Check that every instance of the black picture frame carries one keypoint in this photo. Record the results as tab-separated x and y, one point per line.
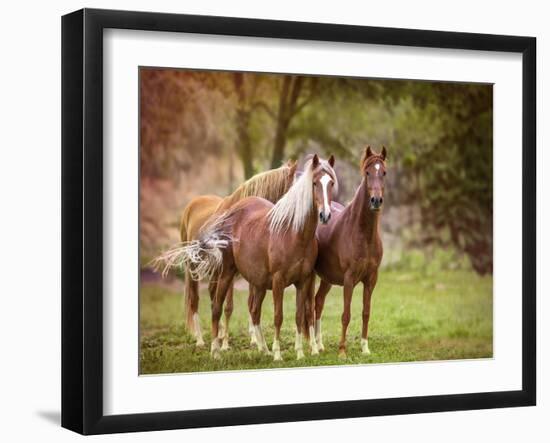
82	220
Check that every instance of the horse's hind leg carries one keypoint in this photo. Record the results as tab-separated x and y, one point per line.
192	308
258	295
223	330
228	310
278	293
309	313
300	319
251	330
322	292
224	281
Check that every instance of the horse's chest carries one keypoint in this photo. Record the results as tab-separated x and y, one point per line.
361	265
300	269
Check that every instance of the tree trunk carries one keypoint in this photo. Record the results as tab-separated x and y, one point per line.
288	100
242	122
245	146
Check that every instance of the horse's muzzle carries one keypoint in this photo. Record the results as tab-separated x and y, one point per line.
324	218
376	203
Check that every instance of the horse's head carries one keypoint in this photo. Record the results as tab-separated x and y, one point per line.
324	182
373	168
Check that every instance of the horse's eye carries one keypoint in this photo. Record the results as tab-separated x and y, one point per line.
384	173
368	173
314	184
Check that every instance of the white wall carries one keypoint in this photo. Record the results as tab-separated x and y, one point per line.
30	218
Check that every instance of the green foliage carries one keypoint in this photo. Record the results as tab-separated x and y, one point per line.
430	261
440	150
415	317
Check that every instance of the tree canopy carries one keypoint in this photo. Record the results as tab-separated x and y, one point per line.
438	135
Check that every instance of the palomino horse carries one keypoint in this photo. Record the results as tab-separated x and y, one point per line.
350	248
272	247
271	185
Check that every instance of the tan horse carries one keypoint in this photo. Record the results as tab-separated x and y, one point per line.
272	247
271	185
350	248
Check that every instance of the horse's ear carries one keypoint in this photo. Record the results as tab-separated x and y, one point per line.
384	153
366	154
331	161
314	161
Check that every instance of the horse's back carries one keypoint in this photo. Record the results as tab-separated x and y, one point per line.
195	215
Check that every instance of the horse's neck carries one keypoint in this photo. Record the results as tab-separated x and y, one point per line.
311	225
361	215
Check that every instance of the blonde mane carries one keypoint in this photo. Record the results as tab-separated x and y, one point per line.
271	185
294	207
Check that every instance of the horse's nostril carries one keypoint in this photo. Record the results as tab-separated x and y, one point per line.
372	199
381	200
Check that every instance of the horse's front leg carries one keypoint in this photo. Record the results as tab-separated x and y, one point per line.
346	315
224	281
322	292
368	287
278	290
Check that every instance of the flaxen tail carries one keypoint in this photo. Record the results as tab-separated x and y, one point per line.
201	258
204	256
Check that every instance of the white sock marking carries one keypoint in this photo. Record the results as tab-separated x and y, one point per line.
197	327
298	343
365	346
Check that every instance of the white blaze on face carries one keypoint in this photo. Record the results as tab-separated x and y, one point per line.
325	180
377	167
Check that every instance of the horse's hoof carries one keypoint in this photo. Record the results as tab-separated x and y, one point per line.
225	346
342	354
321	347
215	349
299	354
365	347
253	341
277	356
200	344
315	350
365	351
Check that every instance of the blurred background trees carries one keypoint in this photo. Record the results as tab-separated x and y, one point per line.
206	132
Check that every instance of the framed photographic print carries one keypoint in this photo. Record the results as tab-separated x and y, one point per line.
269	221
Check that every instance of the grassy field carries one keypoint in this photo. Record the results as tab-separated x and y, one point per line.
414	317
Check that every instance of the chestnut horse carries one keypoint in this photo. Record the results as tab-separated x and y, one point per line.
350	248
271	185
272	247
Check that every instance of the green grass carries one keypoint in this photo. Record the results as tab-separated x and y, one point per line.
414	317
